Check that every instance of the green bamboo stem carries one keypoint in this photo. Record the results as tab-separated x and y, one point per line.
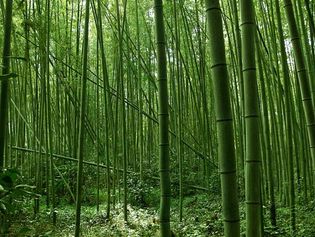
303	79
252	133
5	82
165	230
225	133
81	135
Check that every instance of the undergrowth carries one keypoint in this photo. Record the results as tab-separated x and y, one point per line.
202	217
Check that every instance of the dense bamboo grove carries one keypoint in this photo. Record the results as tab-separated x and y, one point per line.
189	96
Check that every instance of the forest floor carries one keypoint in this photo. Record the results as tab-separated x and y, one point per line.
202	217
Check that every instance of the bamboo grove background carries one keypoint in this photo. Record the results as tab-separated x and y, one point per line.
82	98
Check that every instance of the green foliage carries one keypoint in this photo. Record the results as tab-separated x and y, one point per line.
305	223
69	173
141	193
12	197
214	184
202	216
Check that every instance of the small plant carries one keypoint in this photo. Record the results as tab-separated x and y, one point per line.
12	195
